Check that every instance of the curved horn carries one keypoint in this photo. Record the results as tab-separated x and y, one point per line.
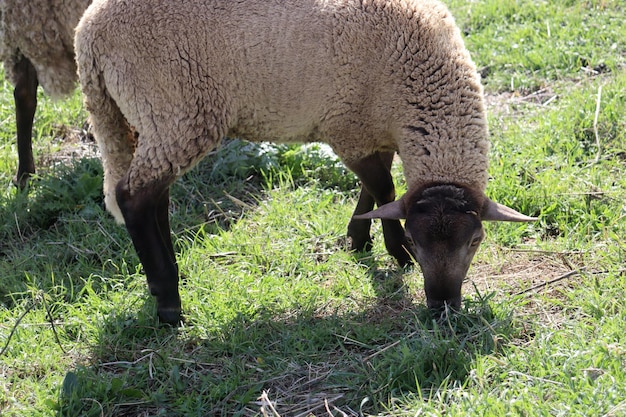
497	212
390	211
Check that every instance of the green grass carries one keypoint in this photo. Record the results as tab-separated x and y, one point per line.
277	309
523	45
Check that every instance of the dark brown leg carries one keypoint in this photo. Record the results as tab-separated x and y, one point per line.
374	172
25	96
359	229
147	221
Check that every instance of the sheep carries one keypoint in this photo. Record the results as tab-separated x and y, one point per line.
37	46
370	78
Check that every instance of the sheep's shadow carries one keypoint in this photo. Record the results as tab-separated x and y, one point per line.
30	218
67	199
387	346
304	361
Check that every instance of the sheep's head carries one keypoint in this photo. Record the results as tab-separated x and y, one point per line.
444	227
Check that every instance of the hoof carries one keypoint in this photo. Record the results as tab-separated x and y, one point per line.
172	315
403	256
405	261
21	182
360	245
399	246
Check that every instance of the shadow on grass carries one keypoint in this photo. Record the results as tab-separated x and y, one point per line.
306	362
37	228
58	227
356	361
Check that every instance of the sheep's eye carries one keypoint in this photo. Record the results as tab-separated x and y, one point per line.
476	241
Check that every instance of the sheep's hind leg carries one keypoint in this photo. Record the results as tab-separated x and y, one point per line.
147	221
25	96
374	172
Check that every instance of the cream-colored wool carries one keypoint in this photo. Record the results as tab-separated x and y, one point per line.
43	32
360	75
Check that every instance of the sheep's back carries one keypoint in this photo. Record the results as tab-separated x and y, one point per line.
265	67
360	75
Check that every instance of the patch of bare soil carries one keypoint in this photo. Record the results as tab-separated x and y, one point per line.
507	102
75	143
311	399
532	274
521	271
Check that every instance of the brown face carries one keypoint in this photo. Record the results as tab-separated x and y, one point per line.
445	230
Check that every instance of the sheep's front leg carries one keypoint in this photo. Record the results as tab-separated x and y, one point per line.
147	221
25	96
374	172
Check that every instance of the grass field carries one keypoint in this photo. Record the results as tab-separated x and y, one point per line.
281	320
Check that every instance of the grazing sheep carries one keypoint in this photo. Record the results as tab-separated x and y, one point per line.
367	77
37	47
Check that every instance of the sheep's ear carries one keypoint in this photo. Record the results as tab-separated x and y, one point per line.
390	211
497	212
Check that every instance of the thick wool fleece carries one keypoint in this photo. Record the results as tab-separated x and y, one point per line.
43	32
361	75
